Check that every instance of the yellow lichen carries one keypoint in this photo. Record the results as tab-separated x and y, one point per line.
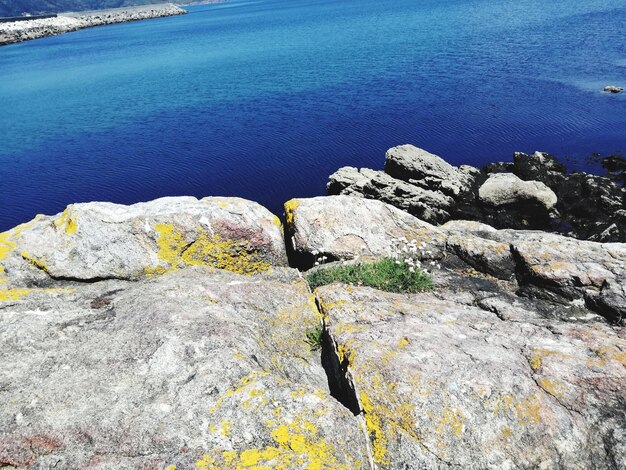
171	467
535	362
18	293
528	410
451	418
205	250
13	294
290	206
67	222
226	427
39	263
553	387
373	423
296	445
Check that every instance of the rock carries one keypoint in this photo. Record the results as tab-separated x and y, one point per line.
423	169
613	89
487	256
442	385
506	188
579	204
98	240
592	204
198	368
572	269
346	227
539	166
430	206
498	167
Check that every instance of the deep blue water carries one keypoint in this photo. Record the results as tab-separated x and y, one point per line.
264	99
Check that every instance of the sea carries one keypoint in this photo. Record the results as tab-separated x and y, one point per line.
264	99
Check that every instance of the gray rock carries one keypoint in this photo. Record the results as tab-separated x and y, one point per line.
613	89
198	368
506	188
102	240
442	385
430	206
539	166
346	227
421	168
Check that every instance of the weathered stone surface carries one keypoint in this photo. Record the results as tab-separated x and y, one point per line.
431	206
506	188
345	227
424	169
485	255
103	240
443	385
198	368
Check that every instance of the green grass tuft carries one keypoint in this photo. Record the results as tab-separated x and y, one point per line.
384	275
314	338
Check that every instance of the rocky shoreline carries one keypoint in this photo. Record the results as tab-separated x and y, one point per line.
532	192
172	334
18	31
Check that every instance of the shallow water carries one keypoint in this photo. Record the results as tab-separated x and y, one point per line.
264	99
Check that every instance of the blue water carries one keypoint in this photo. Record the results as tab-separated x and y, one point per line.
264	99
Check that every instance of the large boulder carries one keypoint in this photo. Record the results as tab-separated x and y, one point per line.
431	206
502	189
103	241
445	385
198	368
547	266
346	227
424	169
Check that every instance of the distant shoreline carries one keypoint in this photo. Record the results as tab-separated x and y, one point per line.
26	30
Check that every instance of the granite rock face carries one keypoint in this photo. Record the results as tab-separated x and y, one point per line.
442	385
124	347
345	227
98	240
199	368
539	265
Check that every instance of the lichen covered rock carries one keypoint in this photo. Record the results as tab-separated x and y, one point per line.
443	385
102	240
345	227
198	368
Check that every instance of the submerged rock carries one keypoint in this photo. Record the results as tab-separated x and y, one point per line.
613	89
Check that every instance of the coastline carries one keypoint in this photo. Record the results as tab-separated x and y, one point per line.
20	31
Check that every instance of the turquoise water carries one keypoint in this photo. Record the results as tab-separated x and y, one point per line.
264	99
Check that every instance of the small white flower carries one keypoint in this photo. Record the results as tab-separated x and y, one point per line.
315	252
411	269
398	261
317	263
432	263
438	266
